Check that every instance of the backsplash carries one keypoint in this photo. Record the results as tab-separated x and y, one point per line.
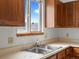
70	34
10	32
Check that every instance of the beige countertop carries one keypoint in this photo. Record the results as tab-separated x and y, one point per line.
22	55
73	44
64	46
30	55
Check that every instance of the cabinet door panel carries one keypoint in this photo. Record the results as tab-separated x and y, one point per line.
60	21
69	14
61	54
75	51
69	51
12	12
3	10
77	13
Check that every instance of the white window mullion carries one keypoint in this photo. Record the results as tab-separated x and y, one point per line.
40	10
29	16
43	15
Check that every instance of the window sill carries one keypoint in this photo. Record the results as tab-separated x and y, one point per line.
30	34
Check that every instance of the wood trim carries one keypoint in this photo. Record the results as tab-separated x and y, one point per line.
30	34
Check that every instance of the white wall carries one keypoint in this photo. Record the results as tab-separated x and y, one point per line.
73	34
6	32
49	33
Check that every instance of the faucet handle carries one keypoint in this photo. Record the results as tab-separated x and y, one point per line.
37	41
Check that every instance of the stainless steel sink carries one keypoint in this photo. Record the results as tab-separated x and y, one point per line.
44	49
40	50
53	47
50	47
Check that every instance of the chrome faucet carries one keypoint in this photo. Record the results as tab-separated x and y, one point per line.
37	43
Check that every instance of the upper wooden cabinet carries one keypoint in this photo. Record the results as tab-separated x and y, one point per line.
59	16
62	15
77	14
69	14
53	13
12	12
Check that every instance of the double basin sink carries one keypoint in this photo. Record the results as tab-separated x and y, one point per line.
44	49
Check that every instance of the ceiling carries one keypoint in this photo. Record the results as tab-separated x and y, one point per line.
64	1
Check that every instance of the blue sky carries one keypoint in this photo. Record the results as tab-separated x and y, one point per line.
34	11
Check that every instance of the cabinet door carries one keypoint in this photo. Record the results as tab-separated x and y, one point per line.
76	51
68	51
61	55
69	14
50	13
77	13
52	57
60	21
12	12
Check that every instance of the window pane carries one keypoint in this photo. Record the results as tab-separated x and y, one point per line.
26	14
35	16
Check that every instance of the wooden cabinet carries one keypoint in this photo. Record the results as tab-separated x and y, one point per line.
62	15
54	14
59	21
77	13
61	55
52	57
12	12
69	51
69	17
75	51
69	14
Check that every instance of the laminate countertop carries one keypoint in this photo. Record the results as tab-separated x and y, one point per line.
22	55
30	55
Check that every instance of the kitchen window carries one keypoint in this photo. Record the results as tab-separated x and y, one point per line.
34	18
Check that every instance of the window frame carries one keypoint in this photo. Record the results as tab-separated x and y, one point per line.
29	33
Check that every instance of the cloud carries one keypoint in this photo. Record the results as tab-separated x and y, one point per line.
36	11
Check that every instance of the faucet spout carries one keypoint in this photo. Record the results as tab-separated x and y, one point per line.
37	43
